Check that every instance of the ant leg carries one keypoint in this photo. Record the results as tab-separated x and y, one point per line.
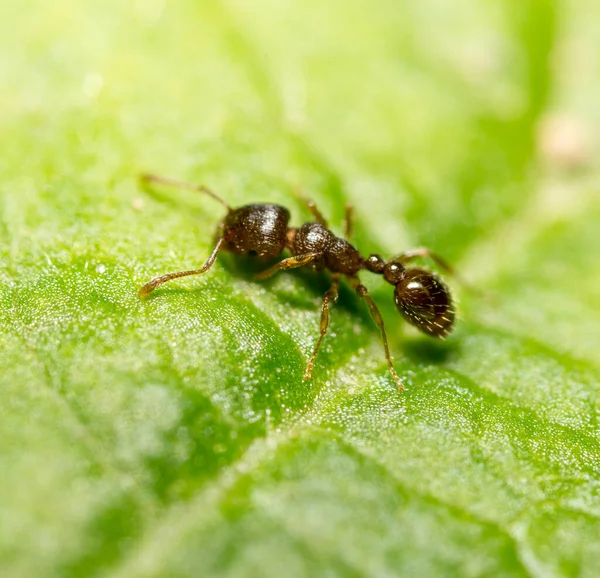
329	298
363	292
289	263
158	281
408	256
148	178
312	207
349	222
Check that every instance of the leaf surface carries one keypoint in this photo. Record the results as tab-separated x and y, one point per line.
174	436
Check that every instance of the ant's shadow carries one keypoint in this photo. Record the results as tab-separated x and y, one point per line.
418	348
422	349
315	284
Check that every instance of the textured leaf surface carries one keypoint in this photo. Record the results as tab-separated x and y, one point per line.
175	436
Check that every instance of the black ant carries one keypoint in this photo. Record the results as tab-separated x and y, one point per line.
262	230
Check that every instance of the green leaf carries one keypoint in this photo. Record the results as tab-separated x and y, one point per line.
174	436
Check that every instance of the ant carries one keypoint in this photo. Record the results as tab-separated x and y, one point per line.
262	230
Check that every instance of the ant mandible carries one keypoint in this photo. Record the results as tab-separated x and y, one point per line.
262	230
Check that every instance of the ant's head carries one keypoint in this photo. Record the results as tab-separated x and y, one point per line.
422	297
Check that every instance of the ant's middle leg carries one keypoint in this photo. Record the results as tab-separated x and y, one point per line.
329	298
289	263
158	281
363	292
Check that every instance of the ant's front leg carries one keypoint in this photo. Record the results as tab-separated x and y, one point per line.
289	263
349	223
158	281
312	207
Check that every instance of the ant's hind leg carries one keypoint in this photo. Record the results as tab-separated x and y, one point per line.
289	263
423	252
329	298
158	281
363	292
409	256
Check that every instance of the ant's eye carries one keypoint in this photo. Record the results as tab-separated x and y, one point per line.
425	302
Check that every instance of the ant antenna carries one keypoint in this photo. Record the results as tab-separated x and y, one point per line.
148	178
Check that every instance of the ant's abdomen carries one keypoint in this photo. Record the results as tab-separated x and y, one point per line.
425	302
256	230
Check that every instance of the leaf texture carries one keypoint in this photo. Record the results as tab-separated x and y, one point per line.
175	436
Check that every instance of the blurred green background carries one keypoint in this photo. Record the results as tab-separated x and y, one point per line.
175	436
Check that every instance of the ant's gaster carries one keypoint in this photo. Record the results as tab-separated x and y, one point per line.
263	230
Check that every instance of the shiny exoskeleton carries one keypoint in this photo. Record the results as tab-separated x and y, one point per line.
263	230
